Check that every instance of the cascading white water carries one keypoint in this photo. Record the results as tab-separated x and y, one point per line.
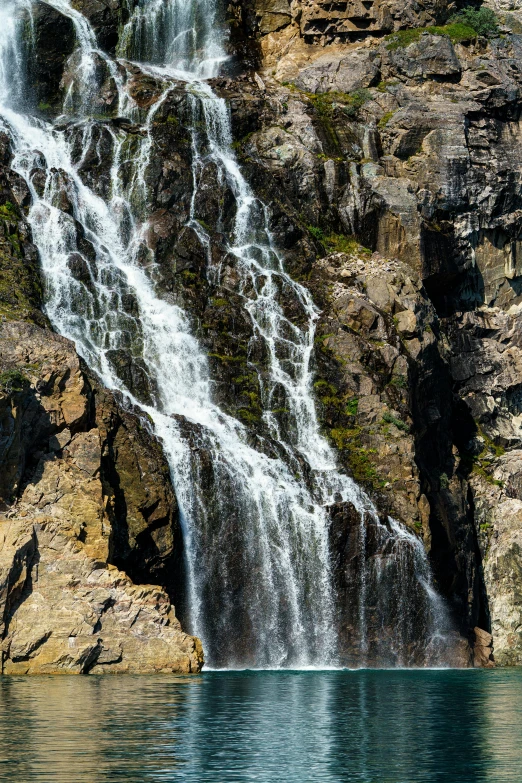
260	589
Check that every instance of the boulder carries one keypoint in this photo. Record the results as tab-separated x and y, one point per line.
341	73
432	56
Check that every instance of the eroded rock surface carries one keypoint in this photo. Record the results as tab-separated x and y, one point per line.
84	486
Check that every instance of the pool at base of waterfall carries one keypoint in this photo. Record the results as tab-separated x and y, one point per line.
389	726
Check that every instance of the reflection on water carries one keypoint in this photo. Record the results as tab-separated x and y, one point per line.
296	727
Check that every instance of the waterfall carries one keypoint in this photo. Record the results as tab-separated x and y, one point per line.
256	519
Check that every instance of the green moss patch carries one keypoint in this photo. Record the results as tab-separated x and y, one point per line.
337	243
389	418
458	32
359	457
385	119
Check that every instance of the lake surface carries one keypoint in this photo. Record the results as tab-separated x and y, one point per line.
291	727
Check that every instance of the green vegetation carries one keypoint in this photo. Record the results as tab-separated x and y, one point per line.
359	459
383	86
13	381
385	119
20	291
248	416
337	243
458	32
350	103
481	464
486	458
7	211
465	25
189	278
482	20
316	232
399	381
352	406
389	418
444	481
329	397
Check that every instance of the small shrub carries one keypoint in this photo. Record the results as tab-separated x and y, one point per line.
399	381
13	381
482	20
389	418
316	232
7	210
248	416
352	406
337	243
444	481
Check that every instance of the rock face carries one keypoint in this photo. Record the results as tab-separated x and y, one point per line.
392	169
64	610
430	178
317	21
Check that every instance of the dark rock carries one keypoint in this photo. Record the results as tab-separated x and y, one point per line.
54	40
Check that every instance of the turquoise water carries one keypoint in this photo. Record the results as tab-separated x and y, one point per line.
289	727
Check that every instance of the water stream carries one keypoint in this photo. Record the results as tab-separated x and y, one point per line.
256	527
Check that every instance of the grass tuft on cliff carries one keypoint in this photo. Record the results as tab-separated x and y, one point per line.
457	31
337	243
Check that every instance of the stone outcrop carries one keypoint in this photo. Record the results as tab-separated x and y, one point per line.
64	610
53	41
317	21
20	282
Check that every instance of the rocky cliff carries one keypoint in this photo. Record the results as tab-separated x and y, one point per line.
385	138
392	127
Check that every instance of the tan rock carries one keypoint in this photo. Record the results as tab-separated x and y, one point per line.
64	608
483	649
65	612
406	323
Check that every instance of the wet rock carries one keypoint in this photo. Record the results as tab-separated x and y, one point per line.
133	372
370	563
20	282
106	17
53	42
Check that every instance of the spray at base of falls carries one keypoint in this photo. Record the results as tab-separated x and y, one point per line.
257	526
